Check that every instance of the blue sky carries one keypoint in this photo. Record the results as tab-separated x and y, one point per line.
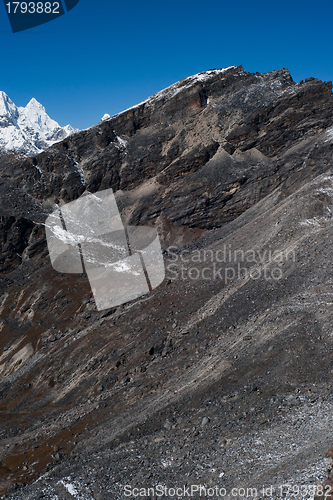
104	56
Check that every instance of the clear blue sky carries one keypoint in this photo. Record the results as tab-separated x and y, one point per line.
104	56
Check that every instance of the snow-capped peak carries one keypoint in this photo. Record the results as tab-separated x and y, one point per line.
34	107
28	129
8	110
34	103
34	114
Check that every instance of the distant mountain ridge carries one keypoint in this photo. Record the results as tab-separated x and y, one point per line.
28	129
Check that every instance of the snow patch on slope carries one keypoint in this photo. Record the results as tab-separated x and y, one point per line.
75	488
329	134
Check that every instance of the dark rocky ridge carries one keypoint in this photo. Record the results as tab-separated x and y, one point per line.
202	376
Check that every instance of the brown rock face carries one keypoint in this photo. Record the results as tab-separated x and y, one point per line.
222	162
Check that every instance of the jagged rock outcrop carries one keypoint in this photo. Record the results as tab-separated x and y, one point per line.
213	364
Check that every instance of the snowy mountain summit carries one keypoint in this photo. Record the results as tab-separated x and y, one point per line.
28	129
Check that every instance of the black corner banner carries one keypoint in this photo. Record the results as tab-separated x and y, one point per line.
25	15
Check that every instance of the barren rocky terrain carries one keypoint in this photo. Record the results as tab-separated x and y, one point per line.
221	376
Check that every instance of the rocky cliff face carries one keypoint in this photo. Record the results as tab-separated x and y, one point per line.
217	377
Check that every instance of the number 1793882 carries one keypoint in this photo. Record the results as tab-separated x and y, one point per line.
33	8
